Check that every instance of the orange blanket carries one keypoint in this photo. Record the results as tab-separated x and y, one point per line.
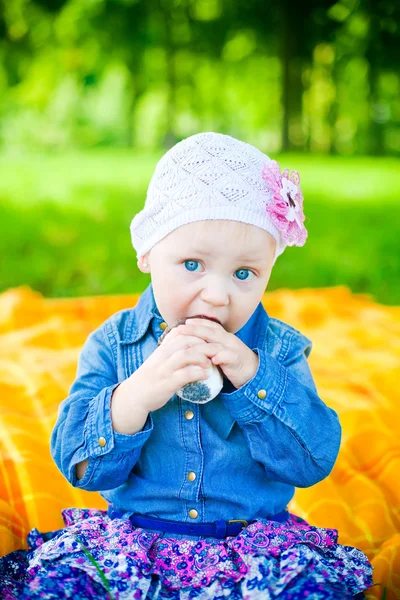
355	363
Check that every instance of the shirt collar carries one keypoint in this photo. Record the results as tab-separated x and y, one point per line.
254	332
141	317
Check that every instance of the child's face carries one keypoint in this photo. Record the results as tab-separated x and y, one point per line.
213	268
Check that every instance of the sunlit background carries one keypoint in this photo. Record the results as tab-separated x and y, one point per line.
93	92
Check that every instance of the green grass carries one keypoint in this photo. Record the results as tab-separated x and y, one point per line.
100	571
64	227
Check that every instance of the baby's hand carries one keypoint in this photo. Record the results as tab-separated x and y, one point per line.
238	362
178	360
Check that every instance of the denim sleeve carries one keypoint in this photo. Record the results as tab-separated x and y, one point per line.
83	428
291	431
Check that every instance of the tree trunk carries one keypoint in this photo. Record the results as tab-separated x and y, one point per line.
377	128
170	137
292	86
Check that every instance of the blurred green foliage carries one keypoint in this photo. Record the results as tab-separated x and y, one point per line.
321	75
65	223
93	91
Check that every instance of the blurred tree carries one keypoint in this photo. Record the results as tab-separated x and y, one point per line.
124	30
303	26
125	72
52	6
383	56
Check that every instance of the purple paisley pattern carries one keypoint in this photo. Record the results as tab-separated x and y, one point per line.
266	560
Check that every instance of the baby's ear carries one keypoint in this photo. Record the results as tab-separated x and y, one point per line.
144	264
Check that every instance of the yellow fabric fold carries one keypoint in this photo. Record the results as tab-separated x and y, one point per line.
355	362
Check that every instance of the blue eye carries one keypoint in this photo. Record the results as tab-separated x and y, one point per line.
192	264
243	272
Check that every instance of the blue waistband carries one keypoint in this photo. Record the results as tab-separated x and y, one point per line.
219	529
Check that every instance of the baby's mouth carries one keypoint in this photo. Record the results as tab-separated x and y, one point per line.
206	317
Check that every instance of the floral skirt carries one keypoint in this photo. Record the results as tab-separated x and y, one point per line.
98	557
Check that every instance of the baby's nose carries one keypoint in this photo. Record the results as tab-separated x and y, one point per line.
215	295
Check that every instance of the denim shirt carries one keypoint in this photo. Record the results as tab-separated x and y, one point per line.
247	450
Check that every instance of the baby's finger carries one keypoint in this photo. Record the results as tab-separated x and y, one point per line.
173	335
167	336
210	349
210	332
189	374
188	356
224	356
180	342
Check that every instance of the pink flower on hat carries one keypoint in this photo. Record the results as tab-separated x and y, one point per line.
286	206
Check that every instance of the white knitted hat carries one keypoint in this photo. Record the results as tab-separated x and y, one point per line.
215	176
